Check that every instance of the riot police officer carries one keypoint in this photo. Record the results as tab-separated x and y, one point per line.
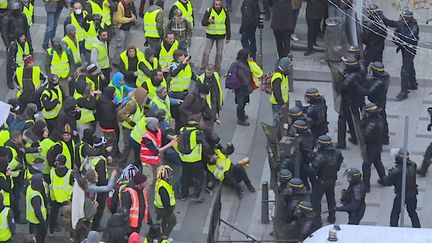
305	219
292	196
378	87
326	165
372	126
316	112
294	113
353	198
305	142
406	39
350	99
427	161
394	178
373	36
284	177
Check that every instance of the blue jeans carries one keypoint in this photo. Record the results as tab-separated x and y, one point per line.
276	110
248	42
51	27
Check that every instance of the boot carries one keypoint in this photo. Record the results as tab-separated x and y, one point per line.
250	188
243	123
423	169
401	96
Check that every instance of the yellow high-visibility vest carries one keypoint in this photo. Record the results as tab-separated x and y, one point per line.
182	81
30	213
28	11
169	188
4	137
35	78
142	77
87	115
3	4
103	58
166	57
163	105
223	164
284	87
45	145
150	29
139	130
196	154
51	114
91	36
59	63
201	78
19	58
104	11
67	153
152	89
218	28
187	13
74	48
60	188
135	117
6	195
124	58
80	32
5	232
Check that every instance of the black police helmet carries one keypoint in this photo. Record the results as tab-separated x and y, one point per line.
353	50
407	13
312	92
295	111
296	183
350	60
214	139
370	108
354	173
324	140
285	175
377	67
306	206
301	124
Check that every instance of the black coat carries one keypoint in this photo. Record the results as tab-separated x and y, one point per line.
282	19
316	9
250	16
12	25
106	113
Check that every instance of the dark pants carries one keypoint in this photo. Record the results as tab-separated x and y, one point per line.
241	99
385	124
136	152
192	173
411	206
356	217
104	83
319	189
55	208
283	42
313	30
248	42
235	176
296	13
408	73
39	230
10	72
373	153
168	220
344	118
126	145
16	191
426	159
373	53
101	200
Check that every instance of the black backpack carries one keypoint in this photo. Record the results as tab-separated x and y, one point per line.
183	141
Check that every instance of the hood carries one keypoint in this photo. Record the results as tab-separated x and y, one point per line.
81	85
93	237
69	104
140	95
148	52
116	79
88	135
135	238
37	183
155	6
108	93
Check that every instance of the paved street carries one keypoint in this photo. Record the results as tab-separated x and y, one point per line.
312	71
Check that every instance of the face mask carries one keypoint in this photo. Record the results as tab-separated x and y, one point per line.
78	11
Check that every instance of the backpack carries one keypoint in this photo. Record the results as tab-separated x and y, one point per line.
232	80
183	144
266	82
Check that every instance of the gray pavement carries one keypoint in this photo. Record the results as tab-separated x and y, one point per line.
312	71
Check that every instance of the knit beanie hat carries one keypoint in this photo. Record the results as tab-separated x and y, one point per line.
134	238
70	28
152	123
139	179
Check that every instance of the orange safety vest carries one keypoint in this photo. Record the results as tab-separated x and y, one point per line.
135	205
148	156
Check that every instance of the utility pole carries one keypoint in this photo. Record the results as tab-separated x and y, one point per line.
404	173
260	37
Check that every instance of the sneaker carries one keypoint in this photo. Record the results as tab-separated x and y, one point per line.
198	199
308	53
243	123
251	188
340	146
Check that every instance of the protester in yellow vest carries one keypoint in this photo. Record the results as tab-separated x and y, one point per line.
51	101
129	60
104	8
57	62
36	208
163	102
122	91
182	29
279	97
215	96
7	222
146	67
154	25
123	19
92	27
100	57
165	199
166	50
218	28
70	43
79	19
224	170
6	183
28	11
60	189
185	6
156	80
86	101
29	79
66	146
16	52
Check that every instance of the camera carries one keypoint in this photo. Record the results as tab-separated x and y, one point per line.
429	127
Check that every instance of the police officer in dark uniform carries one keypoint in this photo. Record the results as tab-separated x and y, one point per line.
292	196
427	161
316	112
305	219
284	177
352	77
406	39
372	126
326	165
378	87
294	113
373	36
394	178
305	145
353	198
